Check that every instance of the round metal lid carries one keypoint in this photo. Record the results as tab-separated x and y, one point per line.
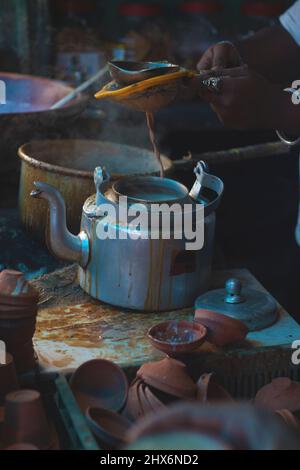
256	309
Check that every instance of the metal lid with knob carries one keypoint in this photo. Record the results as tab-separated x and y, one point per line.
256	309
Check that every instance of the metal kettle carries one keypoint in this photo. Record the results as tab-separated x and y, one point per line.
132	269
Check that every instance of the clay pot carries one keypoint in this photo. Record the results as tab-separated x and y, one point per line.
155	403
169	376
291	420
133	409
25	357
109	428
145	403
8	377
281	393
15	290
21	446
177	337
13	312
221	329
209	390
238	426
99	383
25	420
193	441
17	331
18	334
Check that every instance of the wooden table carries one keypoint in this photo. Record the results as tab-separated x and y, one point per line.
73	328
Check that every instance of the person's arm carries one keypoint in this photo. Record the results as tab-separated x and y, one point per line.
273	53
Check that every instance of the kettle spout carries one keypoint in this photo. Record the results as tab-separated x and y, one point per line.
63	243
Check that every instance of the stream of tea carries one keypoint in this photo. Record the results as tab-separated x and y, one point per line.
150	124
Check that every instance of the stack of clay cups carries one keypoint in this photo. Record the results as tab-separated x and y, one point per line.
18	310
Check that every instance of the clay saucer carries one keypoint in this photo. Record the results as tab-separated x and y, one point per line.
25	420
169	376
281	393
109	428
221	329
209	390
99	383
177	337
8	377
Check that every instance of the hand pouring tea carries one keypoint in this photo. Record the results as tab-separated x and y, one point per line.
149	86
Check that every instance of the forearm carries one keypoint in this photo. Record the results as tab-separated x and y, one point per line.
273	53
283	114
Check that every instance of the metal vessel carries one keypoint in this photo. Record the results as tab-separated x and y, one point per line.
136	266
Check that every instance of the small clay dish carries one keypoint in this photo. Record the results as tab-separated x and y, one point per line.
210	391
109	428
8	377
177	337
281	393
99	383
25	420
221	329
169	376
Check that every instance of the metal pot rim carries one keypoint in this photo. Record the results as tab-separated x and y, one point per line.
62	170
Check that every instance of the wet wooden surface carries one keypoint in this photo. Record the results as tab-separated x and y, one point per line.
73	328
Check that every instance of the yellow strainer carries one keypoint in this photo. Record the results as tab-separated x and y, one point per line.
151	94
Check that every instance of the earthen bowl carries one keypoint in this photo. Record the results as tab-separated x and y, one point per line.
169	376
109	428
25	420
99	383
209	390
8	377
221	329
177	337
281	393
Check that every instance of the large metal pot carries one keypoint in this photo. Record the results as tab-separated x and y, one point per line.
123	262
68	165
27	112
